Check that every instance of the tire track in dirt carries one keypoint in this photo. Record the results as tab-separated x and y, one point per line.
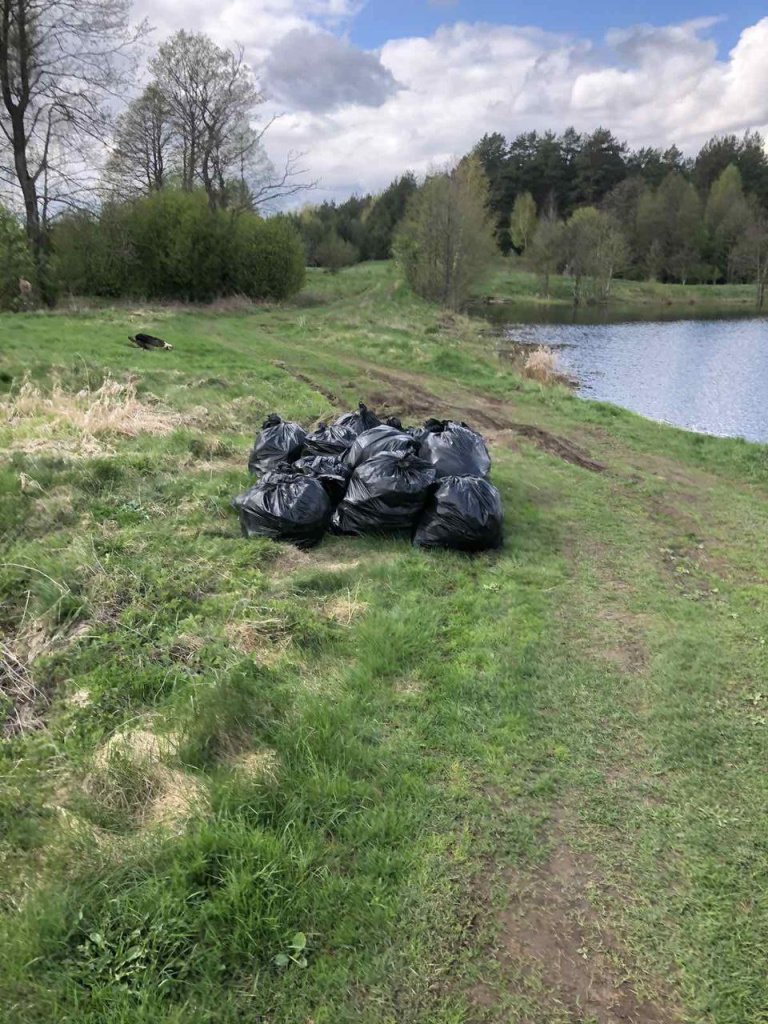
411	398
325	392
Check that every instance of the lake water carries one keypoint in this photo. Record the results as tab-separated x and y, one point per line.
704	375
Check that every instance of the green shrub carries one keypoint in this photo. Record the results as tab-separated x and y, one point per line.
334	252
15	260
171	245
268	258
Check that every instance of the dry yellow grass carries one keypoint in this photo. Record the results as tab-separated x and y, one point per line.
114	408
166	796
263	763
345	607
541	365
25	703
265	640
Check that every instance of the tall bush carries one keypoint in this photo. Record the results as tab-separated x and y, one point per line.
266	259
171	245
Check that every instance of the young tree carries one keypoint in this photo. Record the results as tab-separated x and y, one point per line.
523	221
669	221
446	241
750	254
622	204
333	253
653	261
726	217
59	59
597	251
546	253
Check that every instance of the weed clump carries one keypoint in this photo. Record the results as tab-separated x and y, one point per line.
541	365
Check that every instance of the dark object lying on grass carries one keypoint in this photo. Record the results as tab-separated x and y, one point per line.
278	442
285	505
454	449
386	494
149	341
332	473
463	513
378	439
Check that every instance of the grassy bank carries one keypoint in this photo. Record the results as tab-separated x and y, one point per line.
522	290
363	784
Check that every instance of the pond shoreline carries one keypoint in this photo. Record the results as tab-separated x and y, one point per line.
517	294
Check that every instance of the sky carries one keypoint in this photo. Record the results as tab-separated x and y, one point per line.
368	90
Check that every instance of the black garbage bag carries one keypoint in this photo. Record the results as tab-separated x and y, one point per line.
277	442
285	505
329	440
419	433
358	421
386	494
378	439
394	421
463	513
454	449
332	473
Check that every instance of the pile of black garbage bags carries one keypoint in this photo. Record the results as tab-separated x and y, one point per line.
361	476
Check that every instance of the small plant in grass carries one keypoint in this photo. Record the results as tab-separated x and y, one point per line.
295	953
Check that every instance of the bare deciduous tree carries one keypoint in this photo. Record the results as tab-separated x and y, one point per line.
212	97
143	157
59	59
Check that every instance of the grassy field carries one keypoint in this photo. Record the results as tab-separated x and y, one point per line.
365	784
522	290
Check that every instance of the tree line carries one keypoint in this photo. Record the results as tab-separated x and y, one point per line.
187	155
361	228
568	171
584	205
589	206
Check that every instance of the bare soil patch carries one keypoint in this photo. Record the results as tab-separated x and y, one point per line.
552	943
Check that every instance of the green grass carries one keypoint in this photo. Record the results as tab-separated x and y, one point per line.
373	763
522	289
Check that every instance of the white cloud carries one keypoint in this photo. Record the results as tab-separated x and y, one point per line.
650	85
255	24
316	71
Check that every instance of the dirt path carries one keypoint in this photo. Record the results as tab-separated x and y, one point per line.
403	394
551	941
